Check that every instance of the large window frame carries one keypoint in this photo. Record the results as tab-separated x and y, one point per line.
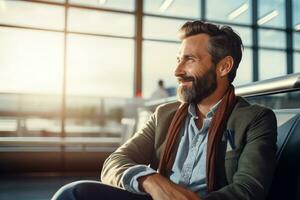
67	5
138	39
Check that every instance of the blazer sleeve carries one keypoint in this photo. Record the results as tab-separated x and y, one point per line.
137	150
256	164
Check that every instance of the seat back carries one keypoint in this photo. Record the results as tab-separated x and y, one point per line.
286	181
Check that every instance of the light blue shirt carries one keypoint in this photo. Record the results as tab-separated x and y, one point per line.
189	168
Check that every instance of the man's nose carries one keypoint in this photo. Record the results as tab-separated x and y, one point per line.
179	70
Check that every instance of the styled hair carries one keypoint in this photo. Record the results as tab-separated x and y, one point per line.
223	41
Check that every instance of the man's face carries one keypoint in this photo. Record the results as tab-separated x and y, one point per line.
195	72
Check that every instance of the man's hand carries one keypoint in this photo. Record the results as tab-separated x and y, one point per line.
160	188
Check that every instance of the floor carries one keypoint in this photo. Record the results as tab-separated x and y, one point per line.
36	186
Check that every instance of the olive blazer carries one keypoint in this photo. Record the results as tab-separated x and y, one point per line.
246	163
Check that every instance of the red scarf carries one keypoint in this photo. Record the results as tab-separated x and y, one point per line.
215	133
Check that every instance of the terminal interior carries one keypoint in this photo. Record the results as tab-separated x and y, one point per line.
77	79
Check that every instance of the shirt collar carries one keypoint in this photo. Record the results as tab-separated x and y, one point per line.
192	110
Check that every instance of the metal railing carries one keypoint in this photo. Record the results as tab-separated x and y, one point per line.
283	84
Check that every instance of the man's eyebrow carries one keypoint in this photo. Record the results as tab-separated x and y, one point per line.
186	56
189	56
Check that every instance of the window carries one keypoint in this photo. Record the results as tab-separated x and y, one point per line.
163	29
271	64
271	13
244	72
178	8
230	11
100	69
296	62
27	115
296	14
244	33
92	116
31	82
296	40
90	21
100	57
126	5
100	66
38	15
158	67
32	61
272	39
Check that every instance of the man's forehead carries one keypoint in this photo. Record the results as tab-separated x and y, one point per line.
194	44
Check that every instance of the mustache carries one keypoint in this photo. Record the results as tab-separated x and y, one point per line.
186	78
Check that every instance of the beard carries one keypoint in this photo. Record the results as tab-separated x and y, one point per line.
202	87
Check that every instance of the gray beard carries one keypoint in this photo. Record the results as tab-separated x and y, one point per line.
201	88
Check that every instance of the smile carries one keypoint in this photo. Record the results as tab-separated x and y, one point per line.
185	83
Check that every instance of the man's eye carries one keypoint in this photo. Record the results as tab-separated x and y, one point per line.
190	59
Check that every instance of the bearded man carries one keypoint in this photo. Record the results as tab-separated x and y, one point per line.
210	145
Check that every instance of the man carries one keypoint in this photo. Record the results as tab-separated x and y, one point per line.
160	92
213	145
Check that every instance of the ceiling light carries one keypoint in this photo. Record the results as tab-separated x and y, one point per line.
237	12
165	5
297	27
267	17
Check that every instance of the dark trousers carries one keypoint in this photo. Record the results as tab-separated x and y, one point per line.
93	190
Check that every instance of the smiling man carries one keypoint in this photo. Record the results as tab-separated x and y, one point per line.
210	145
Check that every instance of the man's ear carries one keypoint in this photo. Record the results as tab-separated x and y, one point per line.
225	66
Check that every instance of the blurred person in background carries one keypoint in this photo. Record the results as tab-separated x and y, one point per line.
160	92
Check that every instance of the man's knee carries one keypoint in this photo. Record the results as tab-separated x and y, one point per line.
70	191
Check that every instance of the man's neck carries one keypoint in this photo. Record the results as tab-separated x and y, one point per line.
206	104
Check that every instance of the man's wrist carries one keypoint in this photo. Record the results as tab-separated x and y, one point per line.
144	181
130	177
